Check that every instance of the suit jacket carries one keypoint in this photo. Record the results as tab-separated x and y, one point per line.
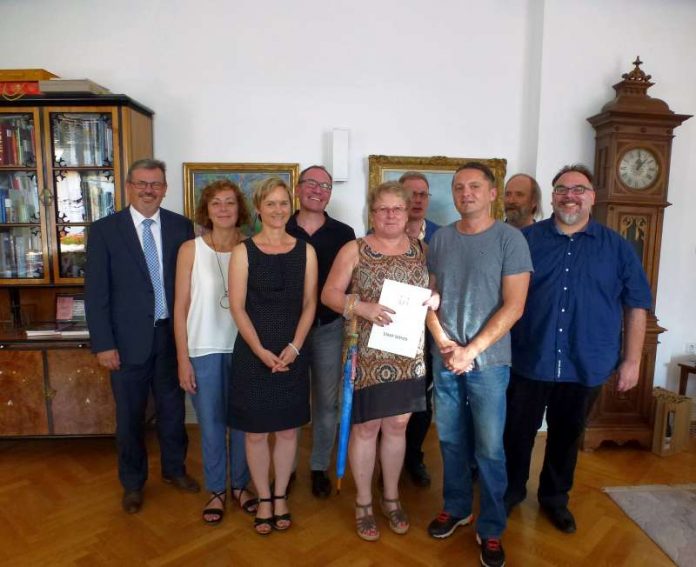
119	298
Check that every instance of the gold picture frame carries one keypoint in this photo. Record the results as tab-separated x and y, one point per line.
247	175
439	171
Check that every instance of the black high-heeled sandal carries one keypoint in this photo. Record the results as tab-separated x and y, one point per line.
259	522
287	517
250	505
217	513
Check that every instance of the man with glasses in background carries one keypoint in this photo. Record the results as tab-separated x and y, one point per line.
312	224
129	298
423	229
588	282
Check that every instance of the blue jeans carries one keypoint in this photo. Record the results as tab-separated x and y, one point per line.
485	392
210	402
326	343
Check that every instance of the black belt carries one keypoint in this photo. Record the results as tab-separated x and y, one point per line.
161	322
320	323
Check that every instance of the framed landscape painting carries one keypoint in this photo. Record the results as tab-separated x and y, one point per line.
247	175
438	170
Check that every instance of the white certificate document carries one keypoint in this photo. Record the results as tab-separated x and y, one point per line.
403	334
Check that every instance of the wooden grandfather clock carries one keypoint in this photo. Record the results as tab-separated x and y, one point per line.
633	149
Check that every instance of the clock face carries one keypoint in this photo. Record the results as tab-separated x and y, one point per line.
638	168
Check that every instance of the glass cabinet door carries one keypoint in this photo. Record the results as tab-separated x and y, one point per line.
84	182
23	247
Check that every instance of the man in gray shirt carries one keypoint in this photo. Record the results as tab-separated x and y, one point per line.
481	269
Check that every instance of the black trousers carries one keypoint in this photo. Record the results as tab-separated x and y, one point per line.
567	407
131	386
420	421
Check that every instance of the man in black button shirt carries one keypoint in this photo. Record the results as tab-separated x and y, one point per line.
327	236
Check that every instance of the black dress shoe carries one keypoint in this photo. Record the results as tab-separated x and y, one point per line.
560	517
419	475
132	501
184	482
511	503
321	484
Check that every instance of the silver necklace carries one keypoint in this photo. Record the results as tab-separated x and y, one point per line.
224	298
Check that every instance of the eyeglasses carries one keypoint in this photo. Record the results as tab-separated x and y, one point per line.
313	184
575	189
420	194
386	210
156	185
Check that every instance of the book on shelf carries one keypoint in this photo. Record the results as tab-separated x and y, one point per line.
26	75
56	329
18	89
72	86
41	330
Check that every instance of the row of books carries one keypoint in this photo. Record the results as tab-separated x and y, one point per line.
18	199
85	196
83	139
17	141
20	255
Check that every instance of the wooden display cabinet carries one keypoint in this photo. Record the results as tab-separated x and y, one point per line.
63	163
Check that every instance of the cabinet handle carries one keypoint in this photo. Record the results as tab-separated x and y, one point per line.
46	198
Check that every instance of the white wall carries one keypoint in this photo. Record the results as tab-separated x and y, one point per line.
249	81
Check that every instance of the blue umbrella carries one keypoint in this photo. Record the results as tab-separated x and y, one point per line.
347	404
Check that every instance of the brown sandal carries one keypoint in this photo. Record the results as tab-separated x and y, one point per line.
366	526
398	520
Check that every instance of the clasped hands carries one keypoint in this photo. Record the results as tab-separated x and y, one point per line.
280	362
457	358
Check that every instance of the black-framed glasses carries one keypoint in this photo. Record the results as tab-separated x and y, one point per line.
313	184
142	185
575	189
420	194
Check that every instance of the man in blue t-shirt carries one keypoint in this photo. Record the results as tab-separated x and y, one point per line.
587	284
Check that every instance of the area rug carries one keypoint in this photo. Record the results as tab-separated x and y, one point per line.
666	513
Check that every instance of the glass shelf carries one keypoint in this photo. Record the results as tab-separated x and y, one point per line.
21	256
82	139
72	255
84	196
17	146
19	198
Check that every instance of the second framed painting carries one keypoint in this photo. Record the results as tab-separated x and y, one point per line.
247	175
438	170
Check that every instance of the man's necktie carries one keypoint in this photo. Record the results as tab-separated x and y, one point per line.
152	259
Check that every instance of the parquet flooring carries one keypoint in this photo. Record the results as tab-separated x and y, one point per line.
60	505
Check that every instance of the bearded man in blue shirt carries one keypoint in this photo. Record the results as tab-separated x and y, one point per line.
588	285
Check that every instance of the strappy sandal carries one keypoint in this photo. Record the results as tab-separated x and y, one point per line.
398	520
261	523
365	525
250	505
216	513
277	518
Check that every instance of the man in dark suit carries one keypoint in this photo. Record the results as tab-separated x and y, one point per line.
131	264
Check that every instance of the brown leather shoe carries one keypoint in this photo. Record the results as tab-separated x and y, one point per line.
132	501
184	482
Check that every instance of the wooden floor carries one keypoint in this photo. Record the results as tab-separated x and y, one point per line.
60	505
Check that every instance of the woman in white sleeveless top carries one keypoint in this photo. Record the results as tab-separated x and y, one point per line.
205	334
